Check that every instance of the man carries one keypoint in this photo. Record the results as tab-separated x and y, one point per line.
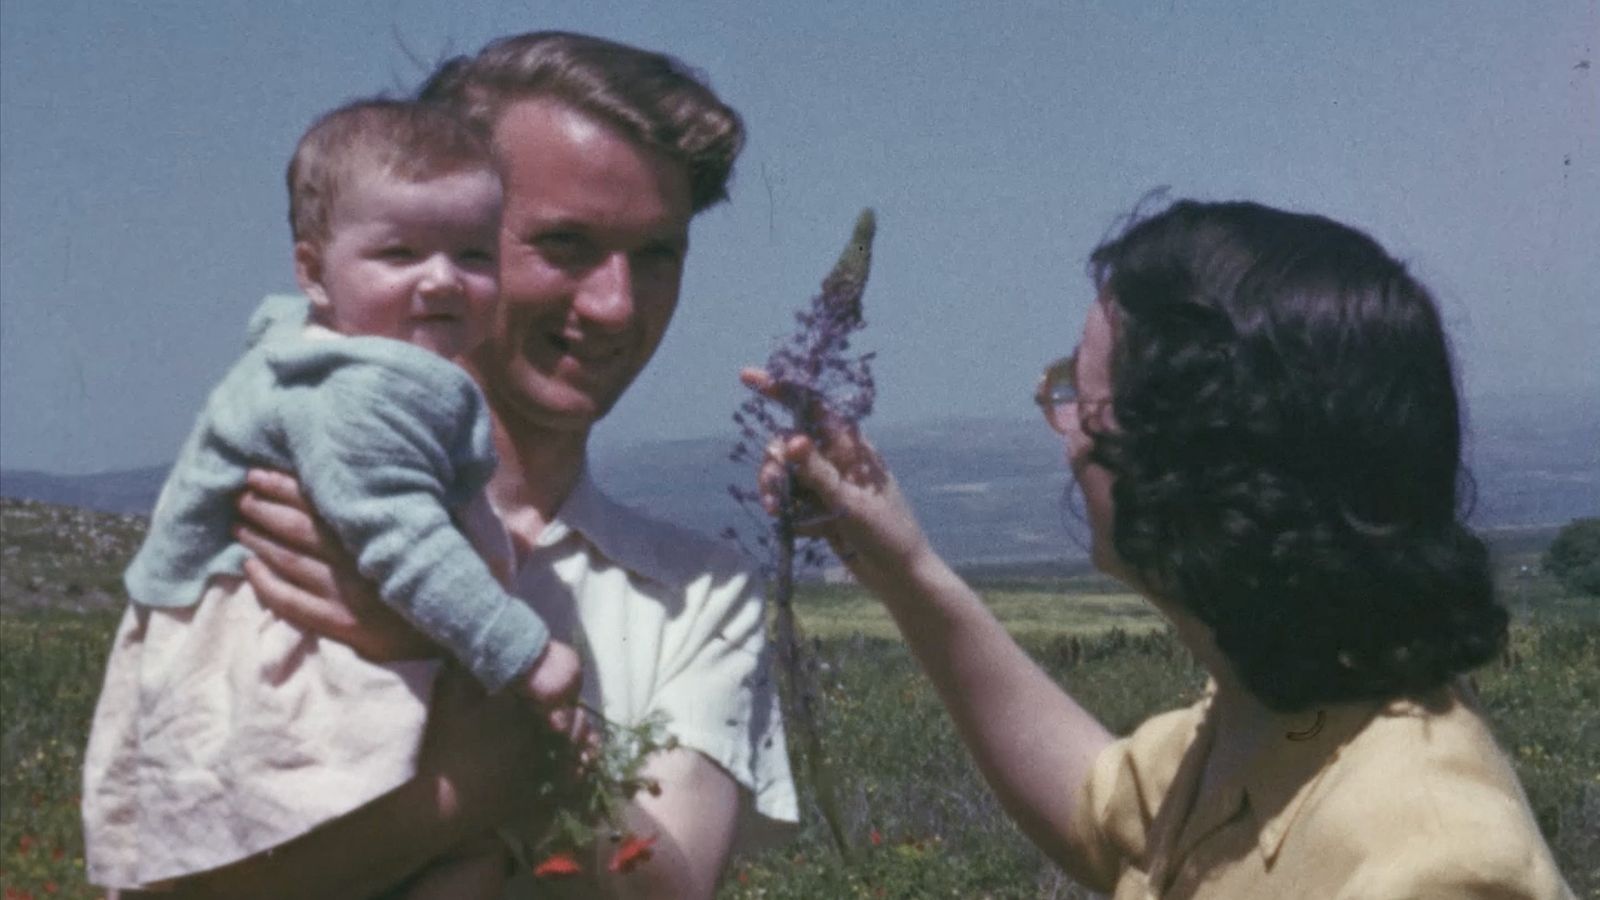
607	153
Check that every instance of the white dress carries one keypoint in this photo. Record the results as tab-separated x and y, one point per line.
223	731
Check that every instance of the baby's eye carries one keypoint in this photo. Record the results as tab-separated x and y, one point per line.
396	253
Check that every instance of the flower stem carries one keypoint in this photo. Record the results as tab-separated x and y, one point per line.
804	696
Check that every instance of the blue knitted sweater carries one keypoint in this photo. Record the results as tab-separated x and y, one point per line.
387	439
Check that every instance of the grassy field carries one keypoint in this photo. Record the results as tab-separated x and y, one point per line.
925	826
921	822
1085	607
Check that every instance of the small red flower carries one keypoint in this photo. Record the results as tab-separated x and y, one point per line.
50	887
558	865
58	853
875	836
25	844
633	851
18	894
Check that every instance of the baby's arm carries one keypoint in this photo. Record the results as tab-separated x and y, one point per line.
377	448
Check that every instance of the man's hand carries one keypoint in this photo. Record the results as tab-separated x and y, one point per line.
301	572
477	749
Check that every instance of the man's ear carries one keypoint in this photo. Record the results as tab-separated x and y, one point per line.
308	271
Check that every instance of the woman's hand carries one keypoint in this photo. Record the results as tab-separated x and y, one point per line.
302	573
861	511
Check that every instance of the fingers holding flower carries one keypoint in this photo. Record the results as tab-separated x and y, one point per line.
839	488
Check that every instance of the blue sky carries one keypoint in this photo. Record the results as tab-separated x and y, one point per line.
142	149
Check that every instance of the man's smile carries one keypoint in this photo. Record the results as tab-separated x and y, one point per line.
588	351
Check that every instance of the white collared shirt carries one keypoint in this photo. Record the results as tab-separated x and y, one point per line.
668	621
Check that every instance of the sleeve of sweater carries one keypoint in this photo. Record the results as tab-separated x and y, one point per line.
385	449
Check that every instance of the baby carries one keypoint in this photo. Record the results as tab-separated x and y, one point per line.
221	731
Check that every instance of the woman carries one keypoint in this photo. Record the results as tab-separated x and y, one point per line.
1264	423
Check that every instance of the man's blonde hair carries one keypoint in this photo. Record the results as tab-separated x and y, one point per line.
403	139
653	99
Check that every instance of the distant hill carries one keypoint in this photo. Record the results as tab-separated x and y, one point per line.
993	492
125	491
64	557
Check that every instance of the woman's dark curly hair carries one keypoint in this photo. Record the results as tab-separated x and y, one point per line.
1287	452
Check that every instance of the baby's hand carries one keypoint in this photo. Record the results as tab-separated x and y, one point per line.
552	683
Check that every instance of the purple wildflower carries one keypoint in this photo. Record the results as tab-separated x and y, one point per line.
817	377
816	374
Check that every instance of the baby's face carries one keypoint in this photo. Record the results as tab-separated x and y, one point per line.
415	261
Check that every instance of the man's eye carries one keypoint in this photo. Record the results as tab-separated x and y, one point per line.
565	248
558	242
477	256
661	253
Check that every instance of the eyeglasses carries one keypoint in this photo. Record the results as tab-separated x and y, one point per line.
1058	390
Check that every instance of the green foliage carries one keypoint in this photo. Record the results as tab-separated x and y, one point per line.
924	823
1029	611
59	557
1574	556
1543	699
940	832
50	672
589	807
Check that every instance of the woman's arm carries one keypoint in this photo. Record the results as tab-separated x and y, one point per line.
1034	744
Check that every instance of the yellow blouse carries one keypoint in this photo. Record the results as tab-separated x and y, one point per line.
1378	800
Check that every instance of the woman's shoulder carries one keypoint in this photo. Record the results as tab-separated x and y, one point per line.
1170	731
1115	805
1424	796
1147	758
1436	748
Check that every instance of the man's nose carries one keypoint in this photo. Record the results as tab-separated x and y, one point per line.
605	299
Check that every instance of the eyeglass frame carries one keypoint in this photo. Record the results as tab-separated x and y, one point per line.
1058	389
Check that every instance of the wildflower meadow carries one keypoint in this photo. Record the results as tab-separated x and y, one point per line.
915	813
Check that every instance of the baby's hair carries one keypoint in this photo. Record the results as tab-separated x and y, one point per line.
403	139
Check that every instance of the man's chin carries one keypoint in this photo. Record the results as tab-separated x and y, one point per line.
546	407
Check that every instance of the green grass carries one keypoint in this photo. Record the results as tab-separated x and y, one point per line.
938	831
50	671
55	557
941	834
1085	607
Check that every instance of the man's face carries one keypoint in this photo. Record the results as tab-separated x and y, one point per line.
592	246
